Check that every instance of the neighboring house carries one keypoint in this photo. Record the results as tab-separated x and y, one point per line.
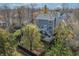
46	23
62	17
3	24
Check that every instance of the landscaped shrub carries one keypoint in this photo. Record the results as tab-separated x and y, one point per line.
7	46
31	37
63	35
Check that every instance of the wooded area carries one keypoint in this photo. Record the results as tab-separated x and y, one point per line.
40	31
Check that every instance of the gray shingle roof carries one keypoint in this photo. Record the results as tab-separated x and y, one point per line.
45	17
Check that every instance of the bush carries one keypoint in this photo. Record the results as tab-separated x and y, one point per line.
31	37
6	43
63	35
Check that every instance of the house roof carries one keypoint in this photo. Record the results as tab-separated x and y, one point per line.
45	17
1	21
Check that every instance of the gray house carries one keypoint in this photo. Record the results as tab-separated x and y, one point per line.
3	23
46	23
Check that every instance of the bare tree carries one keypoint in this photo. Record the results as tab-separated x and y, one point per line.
21	14
6	13
65	7
32	11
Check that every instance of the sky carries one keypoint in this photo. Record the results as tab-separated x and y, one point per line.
49	5
59	5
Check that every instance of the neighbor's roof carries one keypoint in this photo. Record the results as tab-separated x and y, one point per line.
45	17
1	21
